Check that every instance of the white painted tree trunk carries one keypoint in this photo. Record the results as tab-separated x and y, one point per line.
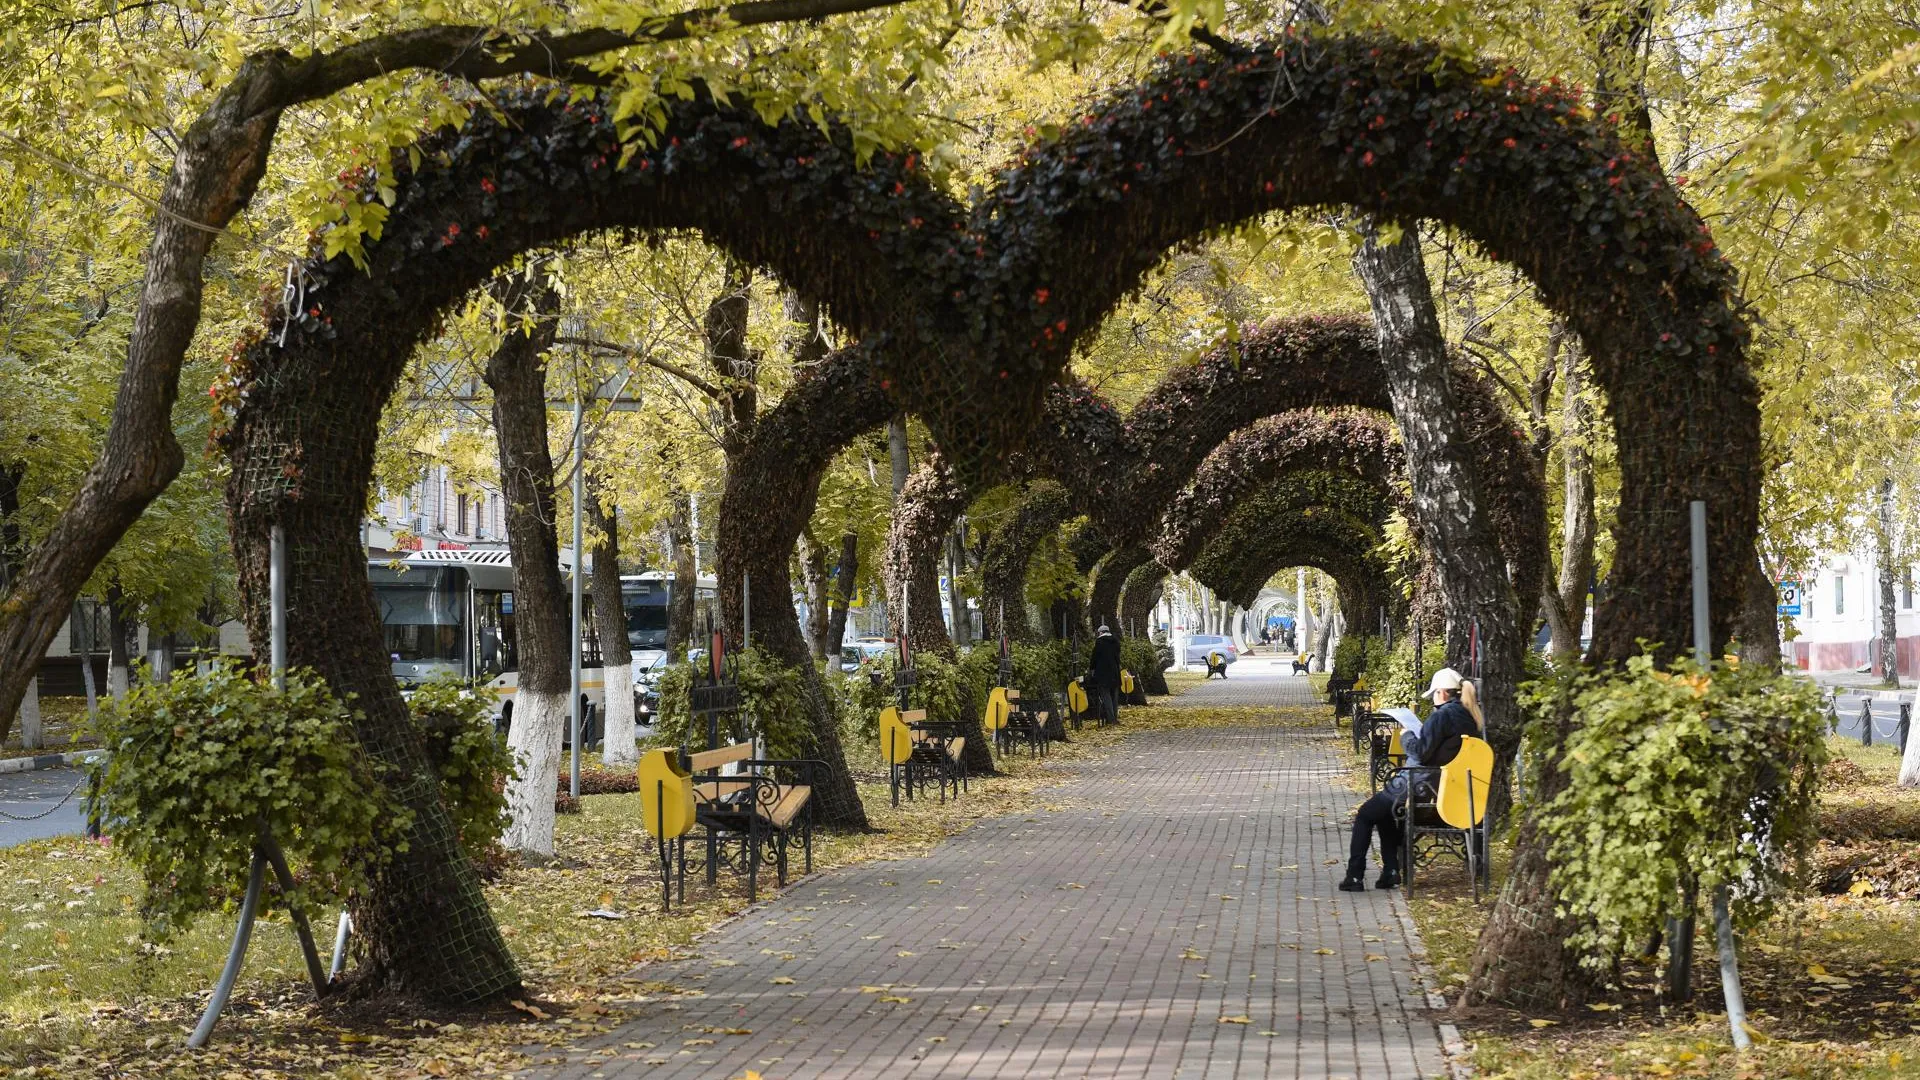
117	681
1910	762
539	722
617	749
32	734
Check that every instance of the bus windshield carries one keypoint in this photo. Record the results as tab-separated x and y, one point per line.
646	620
421	614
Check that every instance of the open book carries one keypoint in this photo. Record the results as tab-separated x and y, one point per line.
1406	718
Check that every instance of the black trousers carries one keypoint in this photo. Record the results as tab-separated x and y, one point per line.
1374	814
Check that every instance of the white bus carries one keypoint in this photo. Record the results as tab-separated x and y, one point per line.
451	613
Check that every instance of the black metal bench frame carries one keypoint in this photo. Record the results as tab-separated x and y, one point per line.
739	832
1419	815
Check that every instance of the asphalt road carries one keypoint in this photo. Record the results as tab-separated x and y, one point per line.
29	793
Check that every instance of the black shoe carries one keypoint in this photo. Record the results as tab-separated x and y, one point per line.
1388	880
1354	884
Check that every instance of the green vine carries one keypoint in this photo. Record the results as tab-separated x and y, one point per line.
470	758
1679	777
203	763
773	706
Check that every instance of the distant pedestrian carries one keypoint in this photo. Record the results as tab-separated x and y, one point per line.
1103	676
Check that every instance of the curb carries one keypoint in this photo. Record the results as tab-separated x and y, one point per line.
50	761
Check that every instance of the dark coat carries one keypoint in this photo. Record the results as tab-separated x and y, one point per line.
1437	743
1104	669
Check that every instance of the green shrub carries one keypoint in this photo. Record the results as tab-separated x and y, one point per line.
1354	655
1398	681
469	756
773	705
202	763
1675	777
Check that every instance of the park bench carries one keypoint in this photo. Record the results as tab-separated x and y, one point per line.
1384	752
1446	815
1012	724
1216	664
1078	703
751	815
1300	664
917	749
1359	709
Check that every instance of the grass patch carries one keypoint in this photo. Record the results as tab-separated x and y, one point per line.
80	994
64	727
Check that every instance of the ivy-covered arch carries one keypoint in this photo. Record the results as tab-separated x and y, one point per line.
1043	507
972	313
1347	440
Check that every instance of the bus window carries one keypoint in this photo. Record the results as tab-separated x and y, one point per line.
421	617
493	618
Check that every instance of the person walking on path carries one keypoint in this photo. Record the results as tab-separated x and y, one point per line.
1103	676
1455	716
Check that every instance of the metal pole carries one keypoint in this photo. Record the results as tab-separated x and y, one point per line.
746	611
693	528
340	946
277	604
1702	631
579	496
235	955
1722	901
1730	966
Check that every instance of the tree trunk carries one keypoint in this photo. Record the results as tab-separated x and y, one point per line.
1109	577
771	488
925	508
123	640
541	604
1473	572
219	162
899	455
1566	602
1323	640
1889	623
814	579
1759	629
618	732
844	577
1009	551
33	735
680	540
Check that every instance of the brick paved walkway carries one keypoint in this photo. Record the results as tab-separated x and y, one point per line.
1173	915
1255	680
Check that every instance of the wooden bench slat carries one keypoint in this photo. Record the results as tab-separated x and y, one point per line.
708	760
792	800
913	716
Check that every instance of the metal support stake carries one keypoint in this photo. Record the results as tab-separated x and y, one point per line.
579	496
1730	969
1906	722
746	611
340	946
256	876
277	604
1866	721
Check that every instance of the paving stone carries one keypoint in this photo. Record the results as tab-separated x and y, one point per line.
1074	945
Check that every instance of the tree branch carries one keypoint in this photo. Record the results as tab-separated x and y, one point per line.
464	50
648	359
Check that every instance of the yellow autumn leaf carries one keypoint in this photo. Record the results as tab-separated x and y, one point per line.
1236	1019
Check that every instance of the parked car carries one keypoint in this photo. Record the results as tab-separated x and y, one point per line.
1199	645
854	654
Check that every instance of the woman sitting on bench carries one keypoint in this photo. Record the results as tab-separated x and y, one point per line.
1456	714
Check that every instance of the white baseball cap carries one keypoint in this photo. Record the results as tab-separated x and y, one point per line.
1444	679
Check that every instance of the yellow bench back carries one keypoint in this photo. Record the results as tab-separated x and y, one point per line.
1126	681
1394	749
1464	784
1077	696
999	708
896	739
666	794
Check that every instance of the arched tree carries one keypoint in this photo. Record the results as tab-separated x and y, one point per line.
1003	571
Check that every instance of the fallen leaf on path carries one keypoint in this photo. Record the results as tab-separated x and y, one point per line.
1236	1019
781	980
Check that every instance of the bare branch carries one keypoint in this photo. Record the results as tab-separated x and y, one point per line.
648	359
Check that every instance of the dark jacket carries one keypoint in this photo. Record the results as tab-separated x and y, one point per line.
1104	669
1437	743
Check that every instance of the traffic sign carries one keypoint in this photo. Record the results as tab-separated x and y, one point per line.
1790	598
